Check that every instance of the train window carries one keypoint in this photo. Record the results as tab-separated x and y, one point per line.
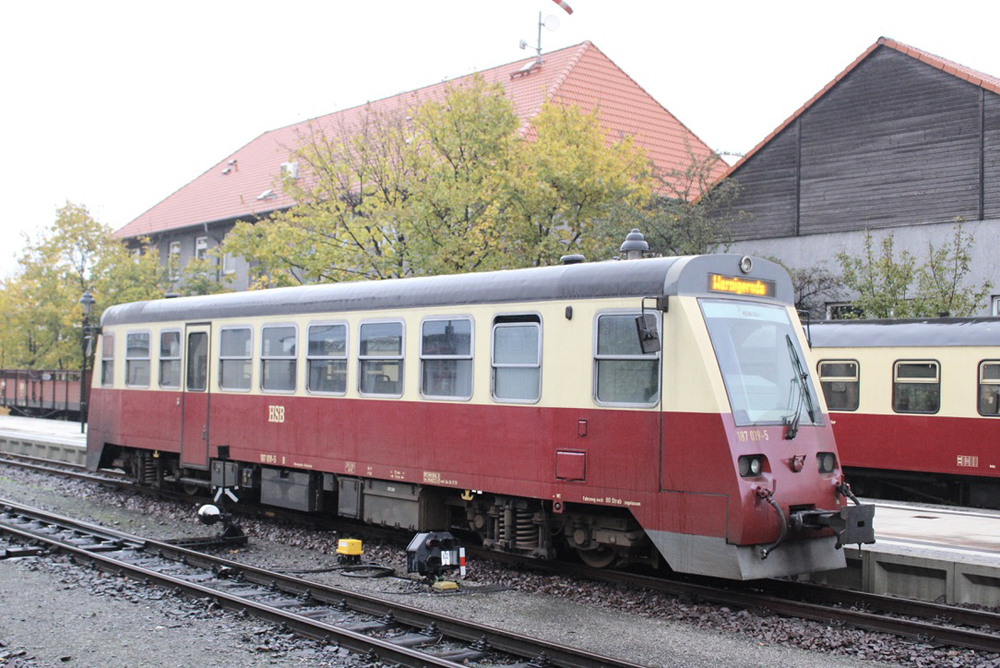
916	387
278	357
380	353
170	359
235	349
197	353
623	374
517	358
989	388
107	360
446	358
137	359
841	384
761	362
327	358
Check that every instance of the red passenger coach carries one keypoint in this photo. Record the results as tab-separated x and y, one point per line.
653	410
915	405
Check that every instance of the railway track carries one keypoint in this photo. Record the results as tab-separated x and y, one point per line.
925	622
392	632
928	622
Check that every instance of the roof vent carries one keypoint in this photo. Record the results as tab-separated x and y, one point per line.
575	258
526	69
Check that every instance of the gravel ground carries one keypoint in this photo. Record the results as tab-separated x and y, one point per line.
83	617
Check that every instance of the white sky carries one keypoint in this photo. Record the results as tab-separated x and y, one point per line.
115	105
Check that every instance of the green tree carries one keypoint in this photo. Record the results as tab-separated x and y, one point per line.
41	328
448	186
941	279
691	213
813	286
901	287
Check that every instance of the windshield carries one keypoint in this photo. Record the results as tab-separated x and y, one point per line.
761	363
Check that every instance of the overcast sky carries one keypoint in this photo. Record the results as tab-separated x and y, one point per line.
116	105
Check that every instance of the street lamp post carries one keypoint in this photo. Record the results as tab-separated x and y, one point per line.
87	303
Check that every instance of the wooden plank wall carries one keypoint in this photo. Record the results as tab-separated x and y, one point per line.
895	143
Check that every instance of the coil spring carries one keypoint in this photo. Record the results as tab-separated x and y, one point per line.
525	529
147	469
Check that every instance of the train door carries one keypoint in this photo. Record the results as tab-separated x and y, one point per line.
194	428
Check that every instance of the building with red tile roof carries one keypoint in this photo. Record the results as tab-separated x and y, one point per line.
244	184
902	142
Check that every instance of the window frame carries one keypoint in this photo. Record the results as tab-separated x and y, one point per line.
179	359
228	263
363	359
470	357
200	248
130	360
310	358
504	320
990	382
598	357
222	359
108	359
936	381
264	359
856	379
174	253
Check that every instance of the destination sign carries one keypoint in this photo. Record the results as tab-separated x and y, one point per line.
740	286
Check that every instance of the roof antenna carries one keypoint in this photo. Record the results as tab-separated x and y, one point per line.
550	22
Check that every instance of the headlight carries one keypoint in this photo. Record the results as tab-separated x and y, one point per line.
827	461
751	465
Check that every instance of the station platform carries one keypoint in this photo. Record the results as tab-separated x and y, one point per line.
931	553
58	440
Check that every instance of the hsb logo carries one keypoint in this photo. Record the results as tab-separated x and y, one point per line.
275	413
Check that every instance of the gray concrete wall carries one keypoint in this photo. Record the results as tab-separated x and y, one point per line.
821	249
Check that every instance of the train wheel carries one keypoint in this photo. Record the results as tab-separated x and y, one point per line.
602	557
191	490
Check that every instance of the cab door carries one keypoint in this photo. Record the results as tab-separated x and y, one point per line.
194	428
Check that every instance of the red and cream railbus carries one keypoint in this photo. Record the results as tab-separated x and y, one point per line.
654	409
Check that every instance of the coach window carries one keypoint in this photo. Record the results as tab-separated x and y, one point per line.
137	359
916	387
170	360
446	358
989	388
278	358
517	358
623	374
108	360
235	348
327	358
841	384
380	352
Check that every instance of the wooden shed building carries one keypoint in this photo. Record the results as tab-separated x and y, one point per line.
901	142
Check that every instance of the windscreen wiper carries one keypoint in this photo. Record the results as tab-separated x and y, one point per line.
802	397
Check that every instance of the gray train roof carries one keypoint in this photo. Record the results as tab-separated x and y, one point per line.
914	332
626	278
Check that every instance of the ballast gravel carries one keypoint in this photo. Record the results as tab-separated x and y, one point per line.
55	613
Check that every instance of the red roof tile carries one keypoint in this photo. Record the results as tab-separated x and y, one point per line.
580	75
961	71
